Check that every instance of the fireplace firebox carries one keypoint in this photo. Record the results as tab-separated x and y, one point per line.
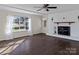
64	30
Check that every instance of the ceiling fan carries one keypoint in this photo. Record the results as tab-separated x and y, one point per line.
46	7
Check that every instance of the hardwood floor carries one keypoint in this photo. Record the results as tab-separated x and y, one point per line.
46	45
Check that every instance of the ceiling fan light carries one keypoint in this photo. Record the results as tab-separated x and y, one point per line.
47	9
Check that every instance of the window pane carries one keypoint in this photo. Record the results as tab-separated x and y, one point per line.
22	27
21	20
16	21
16	28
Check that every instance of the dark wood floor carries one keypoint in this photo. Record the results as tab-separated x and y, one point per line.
46	45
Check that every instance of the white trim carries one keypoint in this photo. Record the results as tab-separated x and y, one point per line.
66	37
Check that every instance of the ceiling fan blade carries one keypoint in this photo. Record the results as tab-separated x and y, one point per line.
45	5
51	7
39	9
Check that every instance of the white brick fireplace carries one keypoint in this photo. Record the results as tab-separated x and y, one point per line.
66	19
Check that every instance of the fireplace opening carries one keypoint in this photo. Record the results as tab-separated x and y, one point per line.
64	30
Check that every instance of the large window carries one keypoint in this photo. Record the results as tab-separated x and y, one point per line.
17	24
20	23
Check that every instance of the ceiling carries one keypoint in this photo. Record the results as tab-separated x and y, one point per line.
34	7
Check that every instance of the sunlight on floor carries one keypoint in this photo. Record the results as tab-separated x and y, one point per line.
10	47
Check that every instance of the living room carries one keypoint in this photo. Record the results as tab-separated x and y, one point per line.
39	29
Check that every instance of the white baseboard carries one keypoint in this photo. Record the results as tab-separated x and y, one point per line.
66	37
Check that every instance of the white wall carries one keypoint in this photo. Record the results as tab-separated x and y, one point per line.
69	17
36	24
44	18
35	20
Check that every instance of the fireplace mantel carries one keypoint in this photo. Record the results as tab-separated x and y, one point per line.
64	22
